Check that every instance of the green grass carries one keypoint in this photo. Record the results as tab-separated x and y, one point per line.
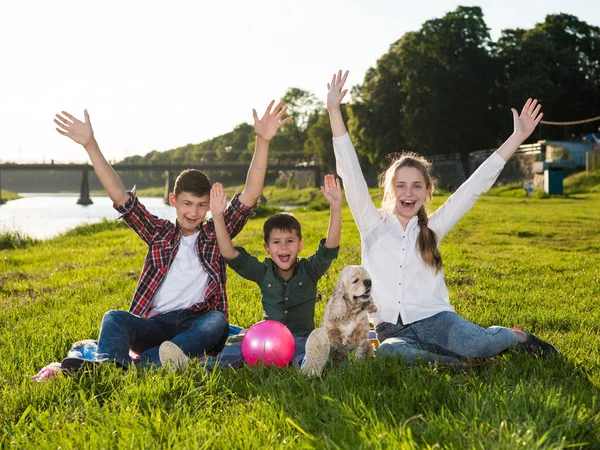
10	240
8	195
583	182
530	263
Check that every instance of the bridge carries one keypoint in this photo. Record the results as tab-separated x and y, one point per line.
170	172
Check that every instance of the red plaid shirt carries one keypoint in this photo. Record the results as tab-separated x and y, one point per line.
163	237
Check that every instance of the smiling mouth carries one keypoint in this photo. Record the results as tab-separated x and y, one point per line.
366	295
408	203
284	258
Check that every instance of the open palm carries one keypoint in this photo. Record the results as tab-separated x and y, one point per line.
267	126
336	90
332	190
529	118
80	132
218	199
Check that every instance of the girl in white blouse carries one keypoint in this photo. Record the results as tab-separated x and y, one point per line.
400	248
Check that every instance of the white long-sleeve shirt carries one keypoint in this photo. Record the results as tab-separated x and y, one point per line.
402	283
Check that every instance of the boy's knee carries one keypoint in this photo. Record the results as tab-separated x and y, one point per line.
217	320
115	316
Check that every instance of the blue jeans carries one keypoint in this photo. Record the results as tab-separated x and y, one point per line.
231	356
444	339
195	333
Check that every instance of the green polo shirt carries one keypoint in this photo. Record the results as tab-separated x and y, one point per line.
291	302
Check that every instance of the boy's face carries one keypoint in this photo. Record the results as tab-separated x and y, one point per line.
191	210
283	248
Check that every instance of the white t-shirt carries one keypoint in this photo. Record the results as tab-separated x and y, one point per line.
185	283
402	283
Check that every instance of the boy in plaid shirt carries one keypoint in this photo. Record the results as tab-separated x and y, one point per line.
180	302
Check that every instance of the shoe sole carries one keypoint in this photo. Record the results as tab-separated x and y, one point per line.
172	357
75	365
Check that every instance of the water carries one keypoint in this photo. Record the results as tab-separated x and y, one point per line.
43	216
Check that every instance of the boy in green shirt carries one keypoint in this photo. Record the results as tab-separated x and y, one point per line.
288	284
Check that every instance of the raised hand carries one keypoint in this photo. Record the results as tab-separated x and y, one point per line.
332	191
336	94
529	118
218	199
266	128
80	132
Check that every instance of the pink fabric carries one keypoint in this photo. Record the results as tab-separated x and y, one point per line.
48	372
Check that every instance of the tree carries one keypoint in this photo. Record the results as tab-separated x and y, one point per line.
377	112
319	143
448	79
558	62
304	107
430	92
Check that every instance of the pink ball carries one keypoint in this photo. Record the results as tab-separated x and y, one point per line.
270	342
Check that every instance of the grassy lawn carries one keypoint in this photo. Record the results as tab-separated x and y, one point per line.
529	263
8	195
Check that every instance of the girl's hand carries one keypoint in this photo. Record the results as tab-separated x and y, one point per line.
267	127
332	191
80	132
336	94
218	200
528	120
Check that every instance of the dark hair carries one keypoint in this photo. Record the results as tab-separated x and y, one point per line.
427	240
281	221
192	181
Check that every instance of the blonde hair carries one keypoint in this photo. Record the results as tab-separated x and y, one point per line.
427	240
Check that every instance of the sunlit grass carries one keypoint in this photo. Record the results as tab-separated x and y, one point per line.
529	263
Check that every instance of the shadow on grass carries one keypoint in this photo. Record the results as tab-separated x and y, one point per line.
521	400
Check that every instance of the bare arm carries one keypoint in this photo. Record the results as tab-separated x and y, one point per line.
524	123
82	133
266	128
333	194
334	99
218	203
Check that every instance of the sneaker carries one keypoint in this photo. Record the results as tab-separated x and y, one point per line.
172	357
534	344
74	364
317	353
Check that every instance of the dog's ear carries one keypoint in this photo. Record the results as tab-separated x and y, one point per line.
337	304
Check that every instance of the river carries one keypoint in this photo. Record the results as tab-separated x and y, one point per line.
43	216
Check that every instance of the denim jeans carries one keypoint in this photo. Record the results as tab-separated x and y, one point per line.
444	338
231	356
195	333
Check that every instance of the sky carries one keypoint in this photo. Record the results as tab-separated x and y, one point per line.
157	75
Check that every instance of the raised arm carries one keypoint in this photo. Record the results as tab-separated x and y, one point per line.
347	164
334	100
218	203
480	181
332	192
266	128
524	124
82	133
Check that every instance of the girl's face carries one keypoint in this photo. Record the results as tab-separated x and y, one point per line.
411	191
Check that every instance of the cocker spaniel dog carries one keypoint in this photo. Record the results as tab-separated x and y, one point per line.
345	317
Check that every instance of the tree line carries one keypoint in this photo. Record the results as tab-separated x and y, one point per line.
445	89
